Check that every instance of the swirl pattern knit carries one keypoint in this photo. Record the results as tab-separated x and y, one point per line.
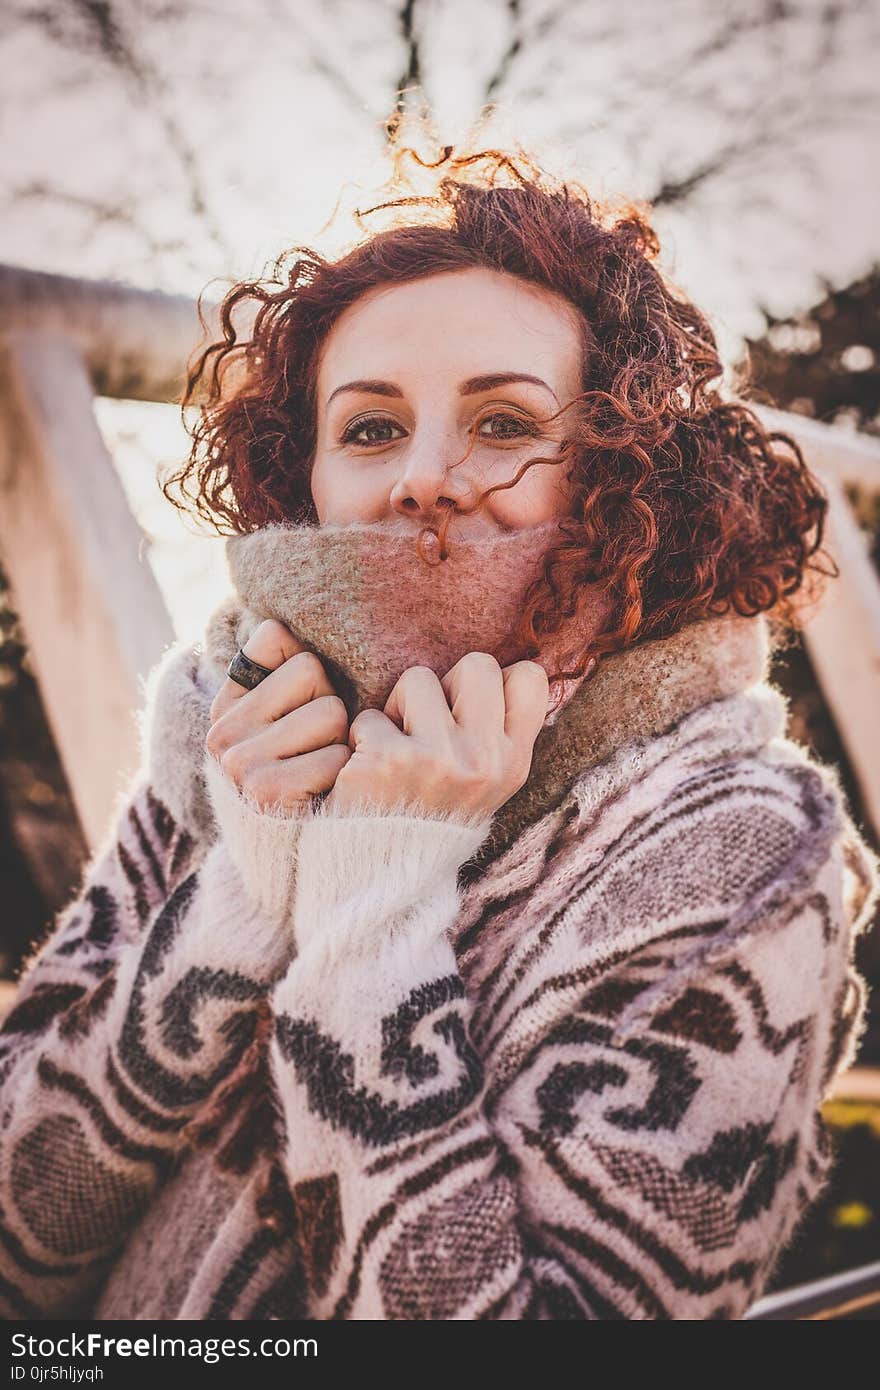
565	1062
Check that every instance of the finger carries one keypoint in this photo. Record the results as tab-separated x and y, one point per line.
270	645
297	676
289	781
300	682
374	732
526	694
475	690
418	698
320	722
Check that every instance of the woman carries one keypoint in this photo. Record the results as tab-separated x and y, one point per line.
472	943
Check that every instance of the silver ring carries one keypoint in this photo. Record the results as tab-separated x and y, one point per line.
246	672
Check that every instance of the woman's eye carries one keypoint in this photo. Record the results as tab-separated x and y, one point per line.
505	427
358	427
520	428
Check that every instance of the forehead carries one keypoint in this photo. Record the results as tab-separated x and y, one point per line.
456	324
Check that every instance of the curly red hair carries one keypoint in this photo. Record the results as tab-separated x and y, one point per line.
684	504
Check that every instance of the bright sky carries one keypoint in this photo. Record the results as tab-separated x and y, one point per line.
166	146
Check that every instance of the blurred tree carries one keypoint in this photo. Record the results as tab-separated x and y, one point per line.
42	848
166	144
825	363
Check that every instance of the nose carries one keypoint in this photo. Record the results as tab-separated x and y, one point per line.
431	479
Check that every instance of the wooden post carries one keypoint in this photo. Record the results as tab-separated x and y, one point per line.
135	343
94	616
842	636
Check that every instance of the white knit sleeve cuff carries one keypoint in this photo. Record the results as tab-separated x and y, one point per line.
262	844
372	874
226	930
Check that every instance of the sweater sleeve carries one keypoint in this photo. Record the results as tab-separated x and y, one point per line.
535	1159
125	1023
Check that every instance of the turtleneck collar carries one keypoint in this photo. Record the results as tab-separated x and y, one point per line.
365	602
370	605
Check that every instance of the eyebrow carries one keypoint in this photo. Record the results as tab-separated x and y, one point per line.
471	387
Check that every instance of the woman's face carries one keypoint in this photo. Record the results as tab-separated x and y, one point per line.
408	369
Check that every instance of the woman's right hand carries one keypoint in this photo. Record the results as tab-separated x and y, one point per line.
287	739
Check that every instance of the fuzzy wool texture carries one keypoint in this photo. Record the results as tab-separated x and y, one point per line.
365	598
571	1067
360	599
263	844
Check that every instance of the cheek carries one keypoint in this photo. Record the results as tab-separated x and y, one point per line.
319	490
342	494
541	494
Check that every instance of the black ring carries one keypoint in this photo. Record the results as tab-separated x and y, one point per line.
246	672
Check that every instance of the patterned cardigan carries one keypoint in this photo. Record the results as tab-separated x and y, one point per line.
577	1078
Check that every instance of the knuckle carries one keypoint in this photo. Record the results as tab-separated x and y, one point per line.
337	713
416	673
341	753
216	741
361	722
534	671
329	764
446	767
234	763
309	665
485	659
270	630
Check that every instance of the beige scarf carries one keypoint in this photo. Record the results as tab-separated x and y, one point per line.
369	606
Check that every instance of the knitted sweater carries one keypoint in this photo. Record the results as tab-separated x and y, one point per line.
565	1062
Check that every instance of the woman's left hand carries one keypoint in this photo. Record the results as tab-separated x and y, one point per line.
463	743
